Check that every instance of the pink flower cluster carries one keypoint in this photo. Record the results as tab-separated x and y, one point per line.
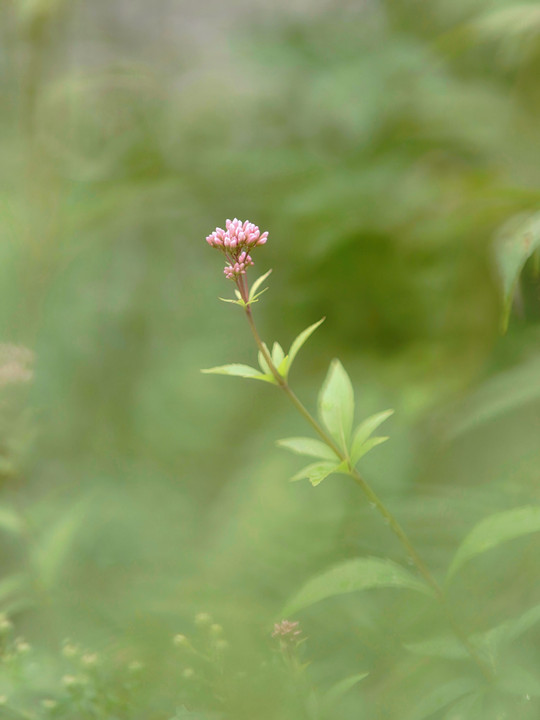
287	631
235	242
239	267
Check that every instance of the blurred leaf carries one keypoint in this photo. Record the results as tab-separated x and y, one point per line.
442	646
317	472
10	521
342	687
336	404
352	576
518	680
300	340
468	708
239	370
510	630
515	243
501	394
440	697
308	446
522	20
56	543
493	531
30	10
492	641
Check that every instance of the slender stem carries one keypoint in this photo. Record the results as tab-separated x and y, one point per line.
375	501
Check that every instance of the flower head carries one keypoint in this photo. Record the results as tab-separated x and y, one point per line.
287	632
235	242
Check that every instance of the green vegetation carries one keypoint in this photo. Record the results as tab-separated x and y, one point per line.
150	538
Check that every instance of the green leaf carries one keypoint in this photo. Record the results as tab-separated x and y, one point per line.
518	680
262	362
442	696
336	404
300	340
277	354
282	367
240	371
343	686
317	472
468	708
515	243
490	642
355	575
493	531
364	431
366	447
308	446
55	545
234	302
256	285
441	646
493	640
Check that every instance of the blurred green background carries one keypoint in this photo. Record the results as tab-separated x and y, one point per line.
382	144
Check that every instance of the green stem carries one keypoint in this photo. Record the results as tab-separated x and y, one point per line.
375	501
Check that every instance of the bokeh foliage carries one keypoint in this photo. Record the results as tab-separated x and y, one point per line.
382	144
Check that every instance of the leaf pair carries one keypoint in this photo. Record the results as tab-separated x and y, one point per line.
367	573
487	534
281	362
254	295
336	413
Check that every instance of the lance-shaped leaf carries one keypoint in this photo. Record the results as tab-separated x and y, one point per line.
277	354
253	294
299	341
440	697
518	680
495	530
317	472
342	687
366	447
234	302
496	638
518	239
441	646
362	441
238	370
308	446
489	643
336	404
469	707
355	575
262	362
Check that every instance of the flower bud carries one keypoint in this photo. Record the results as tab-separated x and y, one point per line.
180	640
202	619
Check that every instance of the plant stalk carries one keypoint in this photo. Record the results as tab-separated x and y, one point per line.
375	501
